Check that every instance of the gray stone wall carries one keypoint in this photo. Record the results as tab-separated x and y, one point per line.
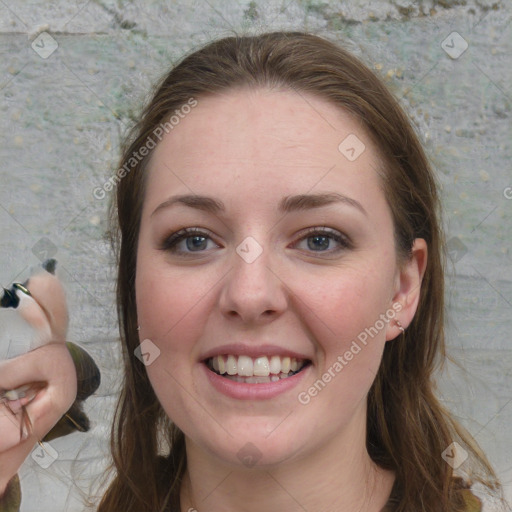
73	75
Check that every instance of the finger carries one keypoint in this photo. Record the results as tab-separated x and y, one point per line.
27	368
15	428
48	292
53	365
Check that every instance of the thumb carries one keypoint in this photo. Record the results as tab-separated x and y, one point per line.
48	292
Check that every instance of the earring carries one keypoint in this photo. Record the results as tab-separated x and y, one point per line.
399	325
138	327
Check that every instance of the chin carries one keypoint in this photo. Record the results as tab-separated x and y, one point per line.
250	447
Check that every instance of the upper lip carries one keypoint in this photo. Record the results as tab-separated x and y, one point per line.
254	351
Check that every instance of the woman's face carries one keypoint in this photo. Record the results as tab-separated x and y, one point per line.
272	272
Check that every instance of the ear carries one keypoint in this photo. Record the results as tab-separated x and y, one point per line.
407	288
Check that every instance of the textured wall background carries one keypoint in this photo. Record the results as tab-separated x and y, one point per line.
72	76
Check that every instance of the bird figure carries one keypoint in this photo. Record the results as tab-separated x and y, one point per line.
27	323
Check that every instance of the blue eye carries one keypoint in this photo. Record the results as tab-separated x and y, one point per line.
319	240
195	241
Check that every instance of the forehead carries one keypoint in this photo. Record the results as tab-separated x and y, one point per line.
264	143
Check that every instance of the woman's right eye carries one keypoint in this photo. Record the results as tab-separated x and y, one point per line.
191	240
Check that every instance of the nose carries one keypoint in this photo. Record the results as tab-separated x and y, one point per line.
253	292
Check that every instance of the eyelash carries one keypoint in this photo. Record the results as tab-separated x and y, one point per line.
172	241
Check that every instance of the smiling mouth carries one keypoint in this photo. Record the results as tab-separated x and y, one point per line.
258	370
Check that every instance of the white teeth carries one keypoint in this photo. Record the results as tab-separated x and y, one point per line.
262	368
221	364
231	367
275	365
245	366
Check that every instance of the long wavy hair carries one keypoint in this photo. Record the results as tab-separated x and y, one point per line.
407	428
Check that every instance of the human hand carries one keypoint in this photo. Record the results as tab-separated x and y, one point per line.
39	386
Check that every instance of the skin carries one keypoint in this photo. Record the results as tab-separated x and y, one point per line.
50	365
249	148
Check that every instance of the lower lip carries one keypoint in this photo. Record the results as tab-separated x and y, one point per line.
243	391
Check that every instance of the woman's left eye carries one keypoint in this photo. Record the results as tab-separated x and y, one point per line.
319	240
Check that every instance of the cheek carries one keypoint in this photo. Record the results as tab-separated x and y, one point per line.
350	354
345	315
170	310
167	299
347	302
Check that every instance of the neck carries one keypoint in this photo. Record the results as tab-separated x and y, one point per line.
338	475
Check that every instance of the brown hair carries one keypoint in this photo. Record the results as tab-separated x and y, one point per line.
407	428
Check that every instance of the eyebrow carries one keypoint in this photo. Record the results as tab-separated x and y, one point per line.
287	204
